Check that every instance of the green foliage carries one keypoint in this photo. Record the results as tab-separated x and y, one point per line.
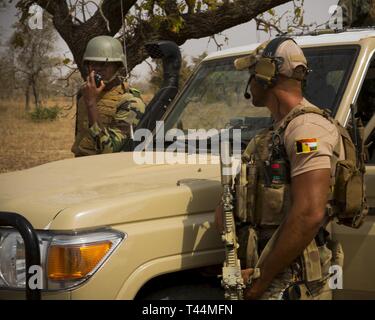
45	114
289	21
168	14
211	4
176	23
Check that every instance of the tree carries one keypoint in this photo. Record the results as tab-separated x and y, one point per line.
32	60
77	21
358	13
176	20
355	13
8	80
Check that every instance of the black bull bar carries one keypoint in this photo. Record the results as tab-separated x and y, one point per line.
31	243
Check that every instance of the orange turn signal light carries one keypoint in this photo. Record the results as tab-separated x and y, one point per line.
73	262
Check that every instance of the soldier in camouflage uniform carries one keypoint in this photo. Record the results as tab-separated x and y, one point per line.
106	113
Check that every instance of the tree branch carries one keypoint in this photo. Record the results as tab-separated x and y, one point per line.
196	25
111	9
260	21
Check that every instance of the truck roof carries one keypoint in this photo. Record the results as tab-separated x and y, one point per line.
347	36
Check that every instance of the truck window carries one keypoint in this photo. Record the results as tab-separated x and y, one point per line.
214	96
366	97
366	108
330	72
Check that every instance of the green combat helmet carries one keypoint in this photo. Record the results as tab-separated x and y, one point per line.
104	48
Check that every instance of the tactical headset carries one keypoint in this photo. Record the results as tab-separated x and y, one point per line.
267	68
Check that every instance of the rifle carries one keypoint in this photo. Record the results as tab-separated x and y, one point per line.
232	281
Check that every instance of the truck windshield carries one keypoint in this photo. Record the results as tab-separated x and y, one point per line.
214	96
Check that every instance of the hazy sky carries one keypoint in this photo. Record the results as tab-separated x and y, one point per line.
315	11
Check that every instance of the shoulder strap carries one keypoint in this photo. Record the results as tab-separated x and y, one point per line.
350	151
324	113
300	111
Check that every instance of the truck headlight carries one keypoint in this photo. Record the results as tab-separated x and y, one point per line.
67	259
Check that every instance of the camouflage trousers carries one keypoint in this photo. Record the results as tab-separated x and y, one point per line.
308	278
289	285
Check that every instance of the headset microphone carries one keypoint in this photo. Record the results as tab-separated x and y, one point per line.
247	93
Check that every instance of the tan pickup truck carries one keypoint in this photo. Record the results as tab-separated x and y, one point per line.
109	228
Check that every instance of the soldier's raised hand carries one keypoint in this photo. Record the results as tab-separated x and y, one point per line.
91	91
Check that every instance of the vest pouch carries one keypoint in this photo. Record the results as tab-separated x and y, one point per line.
348	191
248	246
252	182
311	262
241	195
252	249
337	253
325	259
272	204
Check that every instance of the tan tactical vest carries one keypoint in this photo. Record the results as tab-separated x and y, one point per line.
259	201
264	201
107	105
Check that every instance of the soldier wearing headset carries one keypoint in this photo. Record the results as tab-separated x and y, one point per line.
288	252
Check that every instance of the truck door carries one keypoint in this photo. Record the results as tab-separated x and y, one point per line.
359	245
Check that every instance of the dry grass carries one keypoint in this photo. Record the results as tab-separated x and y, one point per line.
25	144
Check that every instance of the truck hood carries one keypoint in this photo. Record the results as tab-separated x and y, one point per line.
108	189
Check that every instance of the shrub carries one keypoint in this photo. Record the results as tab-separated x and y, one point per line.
45	114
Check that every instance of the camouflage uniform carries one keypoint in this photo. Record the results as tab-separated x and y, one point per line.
119	109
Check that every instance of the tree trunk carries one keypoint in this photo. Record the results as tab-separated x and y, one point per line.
35	93
27	99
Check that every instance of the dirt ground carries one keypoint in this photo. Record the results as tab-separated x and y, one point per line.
25	143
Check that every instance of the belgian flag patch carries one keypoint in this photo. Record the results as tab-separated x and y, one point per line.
306	145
